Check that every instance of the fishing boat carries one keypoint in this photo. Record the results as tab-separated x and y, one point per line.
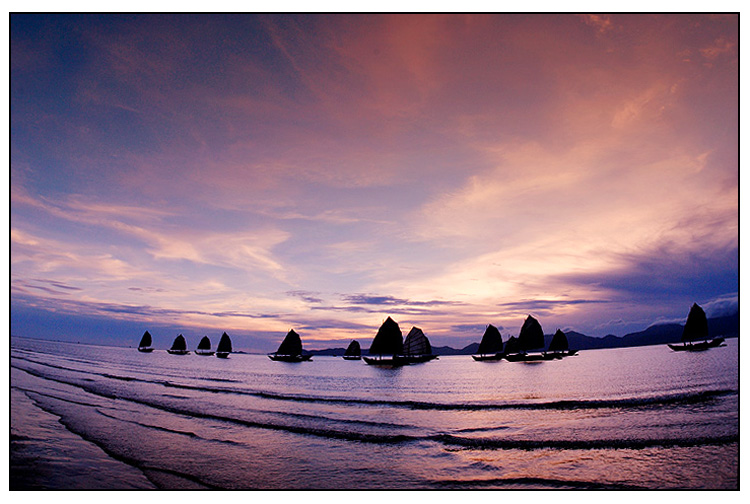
204	347
224	348
290	349
531	337
696	328
491	346
179	347
353	351
558	347
416	348
145	344
388	343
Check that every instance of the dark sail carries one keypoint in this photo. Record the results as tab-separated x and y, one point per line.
559	342
512	345
696	326
492	341
145	340
205	343
416	343
353	349
179	343
292	345
531	336
389	340
225	344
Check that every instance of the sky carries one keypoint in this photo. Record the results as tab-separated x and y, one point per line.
252	174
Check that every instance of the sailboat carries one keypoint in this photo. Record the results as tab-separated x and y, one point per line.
204	347
696	328
179	347
353	351
290	349
558	347
145	344
388	343
531	337
491	346
224	348
416	348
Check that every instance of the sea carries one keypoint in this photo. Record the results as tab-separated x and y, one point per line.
86	417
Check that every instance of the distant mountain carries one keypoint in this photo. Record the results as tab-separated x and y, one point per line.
658	334
446	350
336	352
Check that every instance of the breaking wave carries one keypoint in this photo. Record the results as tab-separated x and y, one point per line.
577	404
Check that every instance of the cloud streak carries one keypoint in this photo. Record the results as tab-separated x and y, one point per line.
327	171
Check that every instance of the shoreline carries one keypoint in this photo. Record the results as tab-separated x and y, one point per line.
45	455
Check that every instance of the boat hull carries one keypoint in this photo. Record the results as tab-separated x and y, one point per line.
204	352
556	355
178	352
415	359
528	357
145	349
698	347
388	361
399	360
383	361
485	358
352	357
222	355
290	358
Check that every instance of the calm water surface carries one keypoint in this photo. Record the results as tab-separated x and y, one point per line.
642	417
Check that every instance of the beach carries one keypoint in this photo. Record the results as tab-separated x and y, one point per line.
93	417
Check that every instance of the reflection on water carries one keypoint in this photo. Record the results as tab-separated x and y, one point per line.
620	418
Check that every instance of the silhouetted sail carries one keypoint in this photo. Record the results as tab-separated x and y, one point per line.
179	347
179	343
224	348
512	345
559	342
353	350
292	344
416	343
492	341
389	339
696	326
145	340
204	347
290	349
531	336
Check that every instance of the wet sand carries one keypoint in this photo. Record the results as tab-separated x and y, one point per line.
44	455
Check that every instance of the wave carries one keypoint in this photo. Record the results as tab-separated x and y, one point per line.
117	454
579	444
530	482
677	398
295	429
113	376
483	429
442	438
189	434
298	429
578	404
71	401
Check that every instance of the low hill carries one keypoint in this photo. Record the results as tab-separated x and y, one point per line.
659	334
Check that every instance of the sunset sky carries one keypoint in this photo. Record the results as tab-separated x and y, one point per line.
253	174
